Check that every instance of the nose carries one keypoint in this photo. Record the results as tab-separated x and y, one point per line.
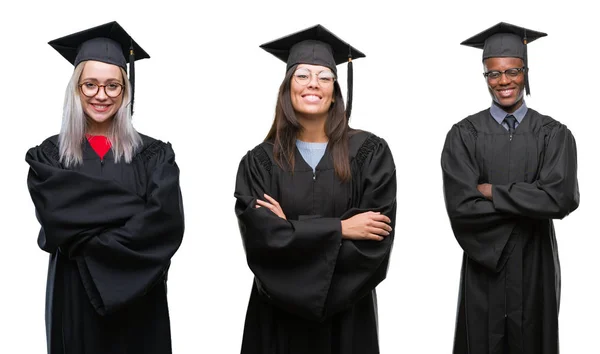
314	80
504	80
101	95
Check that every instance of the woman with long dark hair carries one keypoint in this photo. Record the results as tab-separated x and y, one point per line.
316	204
109	205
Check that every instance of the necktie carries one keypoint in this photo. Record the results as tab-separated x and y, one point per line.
511	121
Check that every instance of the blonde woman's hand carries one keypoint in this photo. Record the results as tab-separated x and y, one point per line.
366	226
272	205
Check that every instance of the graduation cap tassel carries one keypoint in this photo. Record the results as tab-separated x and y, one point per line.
350	83
132	73
527	89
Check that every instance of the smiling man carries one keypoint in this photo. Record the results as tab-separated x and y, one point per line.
508	172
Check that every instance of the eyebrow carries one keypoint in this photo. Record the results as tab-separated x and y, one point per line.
326	70
96	80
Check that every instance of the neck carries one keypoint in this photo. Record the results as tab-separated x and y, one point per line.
313	130
98	128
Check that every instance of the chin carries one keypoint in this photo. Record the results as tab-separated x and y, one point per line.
313	112
507	103
99	119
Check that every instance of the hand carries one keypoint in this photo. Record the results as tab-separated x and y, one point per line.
272	205
485	189
366	226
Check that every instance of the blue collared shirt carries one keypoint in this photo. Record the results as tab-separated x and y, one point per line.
499	114
311	152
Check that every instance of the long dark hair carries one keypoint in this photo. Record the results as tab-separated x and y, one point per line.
285	129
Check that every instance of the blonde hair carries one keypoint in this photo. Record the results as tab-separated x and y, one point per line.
123	137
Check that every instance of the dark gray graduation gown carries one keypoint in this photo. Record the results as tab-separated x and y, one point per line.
510	283
313	291
111	230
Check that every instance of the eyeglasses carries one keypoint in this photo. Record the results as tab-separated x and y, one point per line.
90	89
325	78
510	73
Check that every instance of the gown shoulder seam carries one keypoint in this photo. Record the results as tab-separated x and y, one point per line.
50	149
151	150
366	149
262	157
469	126
551	125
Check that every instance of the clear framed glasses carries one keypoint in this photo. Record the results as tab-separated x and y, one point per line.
90	89
325	78
510	73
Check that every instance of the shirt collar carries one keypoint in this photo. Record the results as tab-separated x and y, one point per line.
499	114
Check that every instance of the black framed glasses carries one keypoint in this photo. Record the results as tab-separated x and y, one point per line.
510	73
324	78
90	89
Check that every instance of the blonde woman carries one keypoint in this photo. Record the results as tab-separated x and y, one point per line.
109	205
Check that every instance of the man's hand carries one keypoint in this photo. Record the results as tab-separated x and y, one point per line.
485	189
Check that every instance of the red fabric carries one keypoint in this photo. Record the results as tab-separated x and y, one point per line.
99	143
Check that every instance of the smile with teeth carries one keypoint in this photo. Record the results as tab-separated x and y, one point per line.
311	98
506	92
100	107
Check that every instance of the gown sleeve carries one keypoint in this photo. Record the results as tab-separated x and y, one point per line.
304	266
480	229
66	215
292	260
362	265
126	262
122	244
556	193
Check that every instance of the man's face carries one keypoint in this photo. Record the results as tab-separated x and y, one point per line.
506	90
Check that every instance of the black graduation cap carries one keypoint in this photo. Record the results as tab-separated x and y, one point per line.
108	43
505	40
316	46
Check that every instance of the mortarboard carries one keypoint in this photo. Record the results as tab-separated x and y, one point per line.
505	40
108	43
316	46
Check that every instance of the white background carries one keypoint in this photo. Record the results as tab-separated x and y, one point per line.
210	90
